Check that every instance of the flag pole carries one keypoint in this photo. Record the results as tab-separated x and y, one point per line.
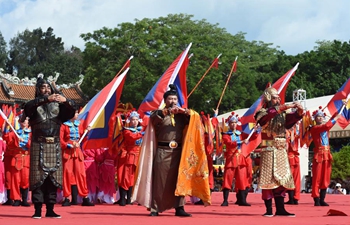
125	64
200	80
228	79
8	122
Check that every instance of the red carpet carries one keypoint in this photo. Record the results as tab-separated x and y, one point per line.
305	212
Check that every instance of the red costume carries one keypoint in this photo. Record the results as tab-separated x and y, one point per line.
74	175
91	161
107	176
128	160
322	161
293	157
18	150
3	196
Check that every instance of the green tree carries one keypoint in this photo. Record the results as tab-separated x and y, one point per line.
155	43
341	163
3	52
32	52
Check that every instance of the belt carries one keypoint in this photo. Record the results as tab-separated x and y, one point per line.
48	139
172	144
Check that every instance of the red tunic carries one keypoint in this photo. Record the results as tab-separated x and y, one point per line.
128	158
235	165
19	161
73	159
322	161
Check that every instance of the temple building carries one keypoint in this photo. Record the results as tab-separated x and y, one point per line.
16	91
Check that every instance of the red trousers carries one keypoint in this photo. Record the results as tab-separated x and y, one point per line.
211	174
7	167
19	175
239	173
295	169
321	175
74	174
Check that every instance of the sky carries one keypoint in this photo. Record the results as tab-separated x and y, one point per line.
292	26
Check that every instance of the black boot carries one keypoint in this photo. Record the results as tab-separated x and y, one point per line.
50	213
268	205
66	202
9	201
242	194
180	211
322	197
280	210
86	202
37	213
128	196
200	202
317	202
122	192
225	193
291	198
74	195
238	200
16	203
24	193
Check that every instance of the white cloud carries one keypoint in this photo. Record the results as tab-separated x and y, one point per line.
295	26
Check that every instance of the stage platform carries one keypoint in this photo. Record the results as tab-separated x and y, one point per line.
105	214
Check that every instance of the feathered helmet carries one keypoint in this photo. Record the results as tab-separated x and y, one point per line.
268	93
318	112
133	114
172	91
39	82
233	118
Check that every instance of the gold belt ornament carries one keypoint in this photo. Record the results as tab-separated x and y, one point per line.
173	144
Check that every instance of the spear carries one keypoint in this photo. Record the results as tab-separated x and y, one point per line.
234	66
216	60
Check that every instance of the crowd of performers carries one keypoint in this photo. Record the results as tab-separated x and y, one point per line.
45	156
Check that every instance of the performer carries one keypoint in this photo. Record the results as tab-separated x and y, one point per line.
19	149
74	176
129	156
7	158
293	156
3	197
107	176
91	162
46	112
235	162
322	161
179	165
275	174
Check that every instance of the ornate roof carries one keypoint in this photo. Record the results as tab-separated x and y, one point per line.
15	90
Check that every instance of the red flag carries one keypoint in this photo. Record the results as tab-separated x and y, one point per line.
234	66
216	63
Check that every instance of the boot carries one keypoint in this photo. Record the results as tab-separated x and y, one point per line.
37	213
238	200
86	202
268	205
66	202
296	202
128	196
291	198
180	211
225	193
24	193
317	202
122	193
242	197
200	202
9	201
50	213
280	210
74	195
16	203
322	197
